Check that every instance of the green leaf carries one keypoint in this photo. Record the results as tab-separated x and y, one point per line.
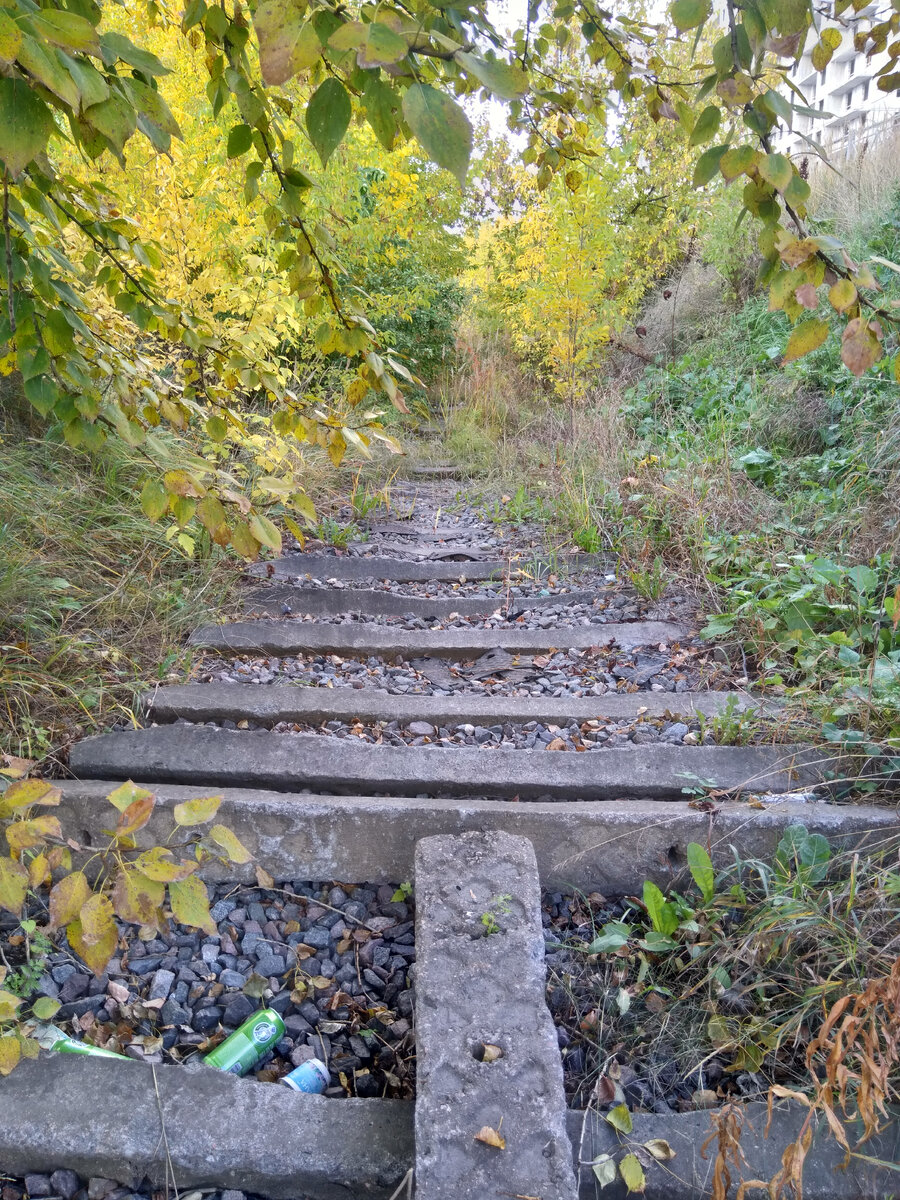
148	101
114	118
25	124
197	812
235	851
702	870
660	913
688	14
632	1173
265	532
114	46
707	125
440	127
777	170
382	47
507	81
125	795
604	1168
41	391
45	1008
44	64
240	139
154	499
620	1118
708	165
190	903
380	103
806	337
327	117
66	30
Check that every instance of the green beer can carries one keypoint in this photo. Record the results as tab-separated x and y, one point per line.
240	1052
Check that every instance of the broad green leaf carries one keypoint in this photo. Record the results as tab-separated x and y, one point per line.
702	870
25	124
125	794
66	30
327	117
661	917
190	904
67	897
10	38
735	162
777	170
244	542
228	841
137	898
116	46
380	103
44	64
806	337
620	1118
604	1169
797	191
708	165
40	391
13	885
45	1008
148	101
114	118
9	1003
440	127
382	47
264	531
240	140
154	499
92	87
688	14
507	81
197	812
632	1173
707	125
349	36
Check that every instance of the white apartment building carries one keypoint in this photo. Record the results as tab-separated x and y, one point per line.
845	93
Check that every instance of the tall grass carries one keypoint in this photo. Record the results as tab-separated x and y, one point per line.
94	600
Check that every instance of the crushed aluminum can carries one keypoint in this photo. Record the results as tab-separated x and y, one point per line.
311	1076
788	798
51	1038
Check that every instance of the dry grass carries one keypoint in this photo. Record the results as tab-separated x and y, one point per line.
851	191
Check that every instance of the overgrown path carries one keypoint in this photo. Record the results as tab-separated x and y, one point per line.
447	702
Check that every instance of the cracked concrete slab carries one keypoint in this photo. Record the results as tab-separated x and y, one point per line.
332	601
327	566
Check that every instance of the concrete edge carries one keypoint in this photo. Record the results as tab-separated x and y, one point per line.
291	702
325	566
271	598
263	1138
388	642
581	845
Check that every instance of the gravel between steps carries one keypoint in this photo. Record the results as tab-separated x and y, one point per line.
63	1184
336	961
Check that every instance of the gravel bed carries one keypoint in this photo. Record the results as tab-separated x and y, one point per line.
337	961
571	672
615	607
647	1056
541	582
532	735
64	1184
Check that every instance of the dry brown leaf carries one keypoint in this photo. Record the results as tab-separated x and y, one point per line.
264	879
490	1137
491	1053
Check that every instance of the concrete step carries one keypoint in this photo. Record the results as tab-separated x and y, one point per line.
331	601
475	988
328	566
586	845
362	641
453	551
287	762
270	704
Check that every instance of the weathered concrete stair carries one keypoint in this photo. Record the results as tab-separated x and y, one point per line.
287	762
581	845
320	566
332	601
476	988
308	637
274	703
